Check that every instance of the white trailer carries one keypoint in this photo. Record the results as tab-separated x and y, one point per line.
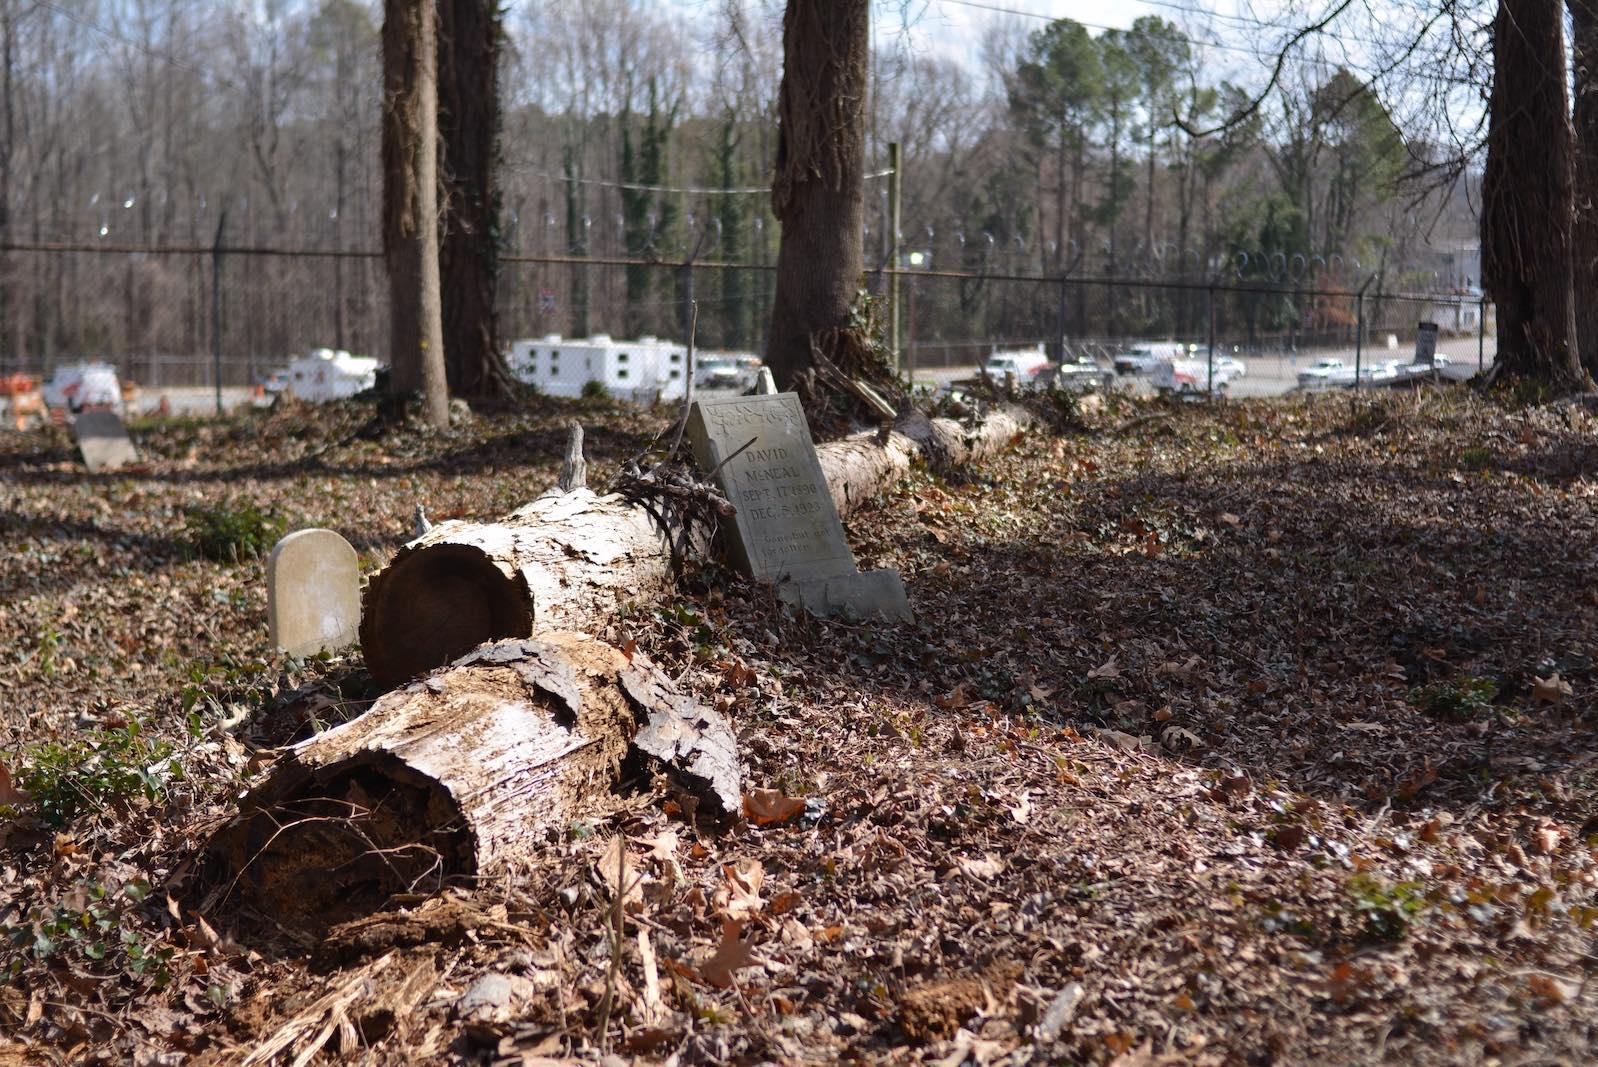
643	371
328	374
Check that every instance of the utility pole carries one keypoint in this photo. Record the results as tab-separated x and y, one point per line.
894	190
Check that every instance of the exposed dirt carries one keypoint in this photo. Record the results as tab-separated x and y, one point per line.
1261	734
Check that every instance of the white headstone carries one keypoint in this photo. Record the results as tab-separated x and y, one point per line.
313	593
103	441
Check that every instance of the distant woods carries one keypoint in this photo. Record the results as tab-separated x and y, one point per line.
625	132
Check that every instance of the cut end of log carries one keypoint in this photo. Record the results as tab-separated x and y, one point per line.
341	844
435	603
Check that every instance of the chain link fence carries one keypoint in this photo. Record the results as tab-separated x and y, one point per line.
172	317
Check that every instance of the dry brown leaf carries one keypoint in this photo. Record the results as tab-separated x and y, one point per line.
768	807
1550	690
1545	839
739	896
616	874
984	868
1108	669
9	793
733	954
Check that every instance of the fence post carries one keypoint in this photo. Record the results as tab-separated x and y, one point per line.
1060	323
1210	391
1481	334
1359	329
216	309
895	186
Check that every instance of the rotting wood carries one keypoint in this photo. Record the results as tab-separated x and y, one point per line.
464	774
568	560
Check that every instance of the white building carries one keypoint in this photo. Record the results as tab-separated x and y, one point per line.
328	374
643	371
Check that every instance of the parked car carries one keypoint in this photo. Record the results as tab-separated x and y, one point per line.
75	386
1324	372
1081	373
717	372
1140	359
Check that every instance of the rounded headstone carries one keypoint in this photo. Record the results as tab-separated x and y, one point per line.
313	593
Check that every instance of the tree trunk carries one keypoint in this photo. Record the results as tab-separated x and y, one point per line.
1527	196
410	205
464	776
469	36
818	195
1584	40
571	559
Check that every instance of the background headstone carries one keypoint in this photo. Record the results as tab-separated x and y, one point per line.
786	529
1426	343
313	593
103	441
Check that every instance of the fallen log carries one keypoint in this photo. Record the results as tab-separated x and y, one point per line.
568	559
463	775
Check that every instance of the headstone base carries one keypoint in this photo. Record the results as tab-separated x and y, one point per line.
870	593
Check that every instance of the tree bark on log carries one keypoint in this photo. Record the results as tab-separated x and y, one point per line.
569	560
466	774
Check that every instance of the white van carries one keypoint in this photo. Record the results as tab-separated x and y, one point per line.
79	385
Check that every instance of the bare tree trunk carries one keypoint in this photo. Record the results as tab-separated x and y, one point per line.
1527	196
10	337
818	195
410	205
1584	42
469	35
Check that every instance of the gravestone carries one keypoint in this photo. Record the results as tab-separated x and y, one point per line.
103	441
1426	344
313	593
786	528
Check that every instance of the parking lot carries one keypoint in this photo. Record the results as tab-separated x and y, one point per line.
1277	375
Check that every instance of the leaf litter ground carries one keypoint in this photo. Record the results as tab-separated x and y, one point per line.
1262	734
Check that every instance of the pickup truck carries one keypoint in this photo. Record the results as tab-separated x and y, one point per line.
1186	377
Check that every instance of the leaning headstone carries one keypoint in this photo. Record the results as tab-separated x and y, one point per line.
103	441
313	593
785	530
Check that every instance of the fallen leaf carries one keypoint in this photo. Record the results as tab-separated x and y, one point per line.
983	868
9	793
1288	838
734	953
1422	778
1230	519
1180	739
1545	839
615	870
1108	669
768	807
1550	690
739	896
1022	811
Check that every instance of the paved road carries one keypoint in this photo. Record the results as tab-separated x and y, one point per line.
1276	375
